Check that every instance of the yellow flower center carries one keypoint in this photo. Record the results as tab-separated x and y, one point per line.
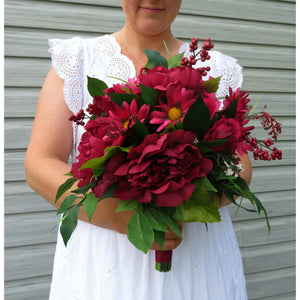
125	124
174	113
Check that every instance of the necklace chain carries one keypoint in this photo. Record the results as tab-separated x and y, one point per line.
131	49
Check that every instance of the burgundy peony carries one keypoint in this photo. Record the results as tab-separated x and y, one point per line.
161	166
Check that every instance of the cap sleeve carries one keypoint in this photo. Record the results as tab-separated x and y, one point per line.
229	70
67	61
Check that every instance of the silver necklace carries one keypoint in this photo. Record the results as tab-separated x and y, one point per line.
131	50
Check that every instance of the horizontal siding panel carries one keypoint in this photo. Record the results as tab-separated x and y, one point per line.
256	10
270	257
289	296
271	283
28	72
22	102
14	161
36	288
28	262
25	203
29	42
241	31
255	232
30	229
276	203
268	179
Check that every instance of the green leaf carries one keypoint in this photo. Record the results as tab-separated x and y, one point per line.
69	223
156	219
140	232
212	84
200	207
155	59
119	98
175	61
100	162
139	129
98	172
67	203
197	118
109	192
159	237
83	190
171	222
90	205
207	183
149	95
65	187
96	86
231	109
127	205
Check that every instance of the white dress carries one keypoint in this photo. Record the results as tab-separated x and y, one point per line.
100	264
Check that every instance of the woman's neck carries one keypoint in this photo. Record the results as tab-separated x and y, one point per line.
133	45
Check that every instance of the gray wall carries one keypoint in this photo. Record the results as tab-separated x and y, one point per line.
259	33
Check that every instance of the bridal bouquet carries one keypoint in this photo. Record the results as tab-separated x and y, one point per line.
164	146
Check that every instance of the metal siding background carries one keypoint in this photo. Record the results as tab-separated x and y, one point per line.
259	33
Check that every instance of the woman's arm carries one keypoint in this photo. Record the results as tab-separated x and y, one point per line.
48	153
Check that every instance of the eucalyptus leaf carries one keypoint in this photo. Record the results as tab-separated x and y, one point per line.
140	232
69	223
90	204
96	86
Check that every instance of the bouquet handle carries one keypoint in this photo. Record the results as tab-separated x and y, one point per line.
163	260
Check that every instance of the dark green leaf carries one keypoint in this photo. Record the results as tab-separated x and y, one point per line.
100	162
96	86
119	98
140	232
156	219
84	189
231	109
212	84
98	172
69	223
197	118
149	95
67	203
159	237
139	129
65	187
109	192
155	59
90	204
171	222
207	183
127	205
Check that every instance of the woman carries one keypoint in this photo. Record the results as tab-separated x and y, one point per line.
99	261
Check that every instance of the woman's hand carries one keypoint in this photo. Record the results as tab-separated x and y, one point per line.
172	240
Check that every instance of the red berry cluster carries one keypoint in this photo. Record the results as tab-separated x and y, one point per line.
90	109
78	118
192	60
269	122
261	154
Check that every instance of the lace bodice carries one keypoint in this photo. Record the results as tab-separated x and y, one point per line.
75	59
